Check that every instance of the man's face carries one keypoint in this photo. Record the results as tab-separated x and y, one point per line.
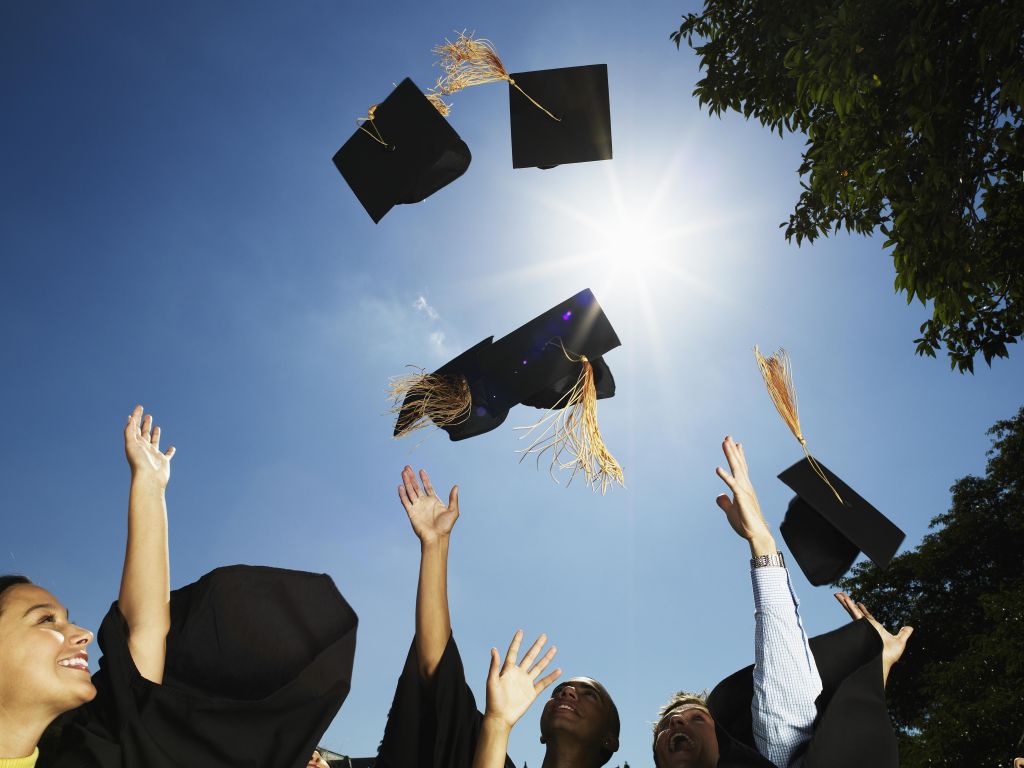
685	738
581	708
44	665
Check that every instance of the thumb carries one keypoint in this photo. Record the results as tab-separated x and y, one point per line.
724	502
453	498
905	633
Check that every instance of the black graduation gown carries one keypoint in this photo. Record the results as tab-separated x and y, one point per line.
435	724
852	729
259	660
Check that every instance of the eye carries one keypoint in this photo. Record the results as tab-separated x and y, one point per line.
590	692
50	618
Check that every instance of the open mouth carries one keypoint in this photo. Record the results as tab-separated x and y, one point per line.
80	663
562	707
681	742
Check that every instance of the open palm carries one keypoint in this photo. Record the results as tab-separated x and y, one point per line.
431	519
142	448
513	686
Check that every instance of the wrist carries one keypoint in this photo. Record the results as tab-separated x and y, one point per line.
497	724
147	481
762	544
434	542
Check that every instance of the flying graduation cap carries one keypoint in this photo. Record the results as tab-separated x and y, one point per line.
827	523
402	152
553	362
557	116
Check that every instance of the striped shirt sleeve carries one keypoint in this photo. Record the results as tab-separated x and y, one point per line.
786	680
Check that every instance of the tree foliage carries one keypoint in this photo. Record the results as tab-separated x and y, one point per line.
957	695
912	111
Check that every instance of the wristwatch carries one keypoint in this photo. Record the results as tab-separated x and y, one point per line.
763	561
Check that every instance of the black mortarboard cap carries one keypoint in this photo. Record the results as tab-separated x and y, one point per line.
553	395
825	535
530	364
484	413
578	97
420	152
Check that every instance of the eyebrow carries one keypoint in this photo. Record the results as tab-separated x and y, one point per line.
47	606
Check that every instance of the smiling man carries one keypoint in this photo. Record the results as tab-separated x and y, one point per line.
434	721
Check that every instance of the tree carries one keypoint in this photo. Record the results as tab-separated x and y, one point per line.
957	695
913	116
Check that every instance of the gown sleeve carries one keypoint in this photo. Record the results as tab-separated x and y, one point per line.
852	728
259	660
435	723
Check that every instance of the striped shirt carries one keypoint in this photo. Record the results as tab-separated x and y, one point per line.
786	680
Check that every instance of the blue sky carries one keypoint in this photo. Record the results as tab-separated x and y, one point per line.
174	234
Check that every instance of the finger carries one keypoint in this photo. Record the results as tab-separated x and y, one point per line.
534	650
426	483
453	499
724	502
513	649
412	488
495	665
169	453
155	439
742	456
905	633
147	423
729	448
404	496
541	665
547	680
726	478
867	614
847	603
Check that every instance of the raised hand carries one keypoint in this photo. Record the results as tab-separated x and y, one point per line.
892	645
142	448
431	520
316	761
742	510
513	686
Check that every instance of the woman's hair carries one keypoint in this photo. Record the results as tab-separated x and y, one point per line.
6	582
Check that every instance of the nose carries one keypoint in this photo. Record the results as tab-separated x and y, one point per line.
567	691
79	636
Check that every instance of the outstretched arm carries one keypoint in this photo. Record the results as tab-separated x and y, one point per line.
432	522
145	595
511	688
892	645
786	679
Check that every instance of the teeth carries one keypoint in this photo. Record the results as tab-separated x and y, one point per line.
76	663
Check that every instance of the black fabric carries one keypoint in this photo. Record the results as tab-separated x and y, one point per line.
259	660
852	729
432	724
529	359
554	395
578	96
823	533
421	153
823	553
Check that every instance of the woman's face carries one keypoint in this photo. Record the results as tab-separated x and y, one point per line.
44	666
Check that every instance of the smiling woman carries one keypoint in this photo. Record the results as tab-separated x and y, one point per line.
44	666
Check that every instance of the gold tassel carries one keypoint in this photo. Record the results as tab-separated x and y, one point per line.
438	102
778	376
472	61
572	429
429	398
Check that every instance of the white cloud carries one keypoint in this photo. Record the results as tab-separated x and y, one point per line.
437	339
422	305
